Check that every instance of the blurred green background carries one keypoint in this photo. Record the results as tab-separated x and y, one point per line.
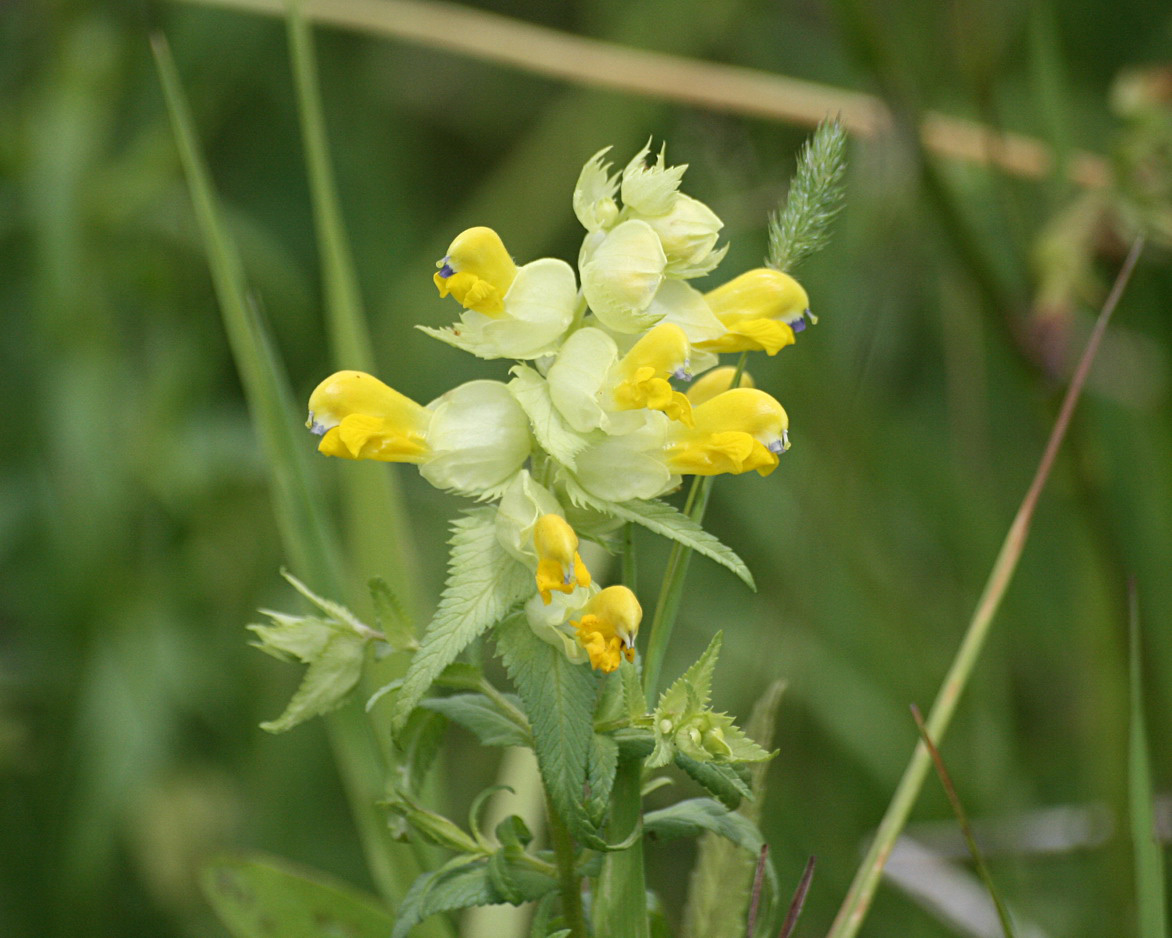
136	527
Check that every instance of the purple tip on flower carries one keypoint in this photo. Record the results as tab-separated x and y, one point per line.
446	271
568	577
799	324
317	429
682	373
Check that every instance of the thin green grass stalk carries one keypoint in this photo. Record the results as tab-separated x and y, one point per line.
298	504
1150	898
377	533
962	819
858	899
816	196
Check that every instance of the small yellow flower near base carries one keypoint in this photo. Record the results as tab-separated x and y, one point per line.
477	271
559	567
607	629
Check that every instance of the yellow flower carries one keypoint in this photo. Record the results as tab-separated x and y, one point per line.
559	567
761	309
477	271
608	626
736	431
644	370
472	440
509	311
359	417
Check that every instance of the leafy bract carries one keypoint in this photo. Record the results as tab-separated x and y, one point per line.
695	816
559	697
467	884
532	393
721	779
482	716
667	521
257	896
393	620
484	584
328	680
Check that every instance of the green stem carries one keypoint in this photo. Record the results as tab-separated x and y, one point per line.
621	901
570	881
672	591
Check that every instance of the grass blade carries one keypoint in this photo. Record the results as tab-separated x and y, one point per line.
1150	899
376	527
963	820
298	504
858	898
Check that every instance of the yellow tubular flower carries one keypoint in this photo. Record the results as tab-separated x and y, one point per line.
477	271
735	431
644	370
359	417
716	381
607	629
762	309
558	565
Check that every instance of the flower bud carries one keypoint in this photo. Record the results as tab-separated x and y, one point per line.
621	277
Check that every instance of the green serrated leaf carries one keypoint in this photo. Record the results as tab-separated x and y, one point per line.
720	887
484	583
514	832
692	690
257	896
665	520
289	638
393	620
328	680
420	743
601	765
432	826
722	780
335	611
741	746
482	716
559	698
695	816
468	884
531	391
633	697
461	675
